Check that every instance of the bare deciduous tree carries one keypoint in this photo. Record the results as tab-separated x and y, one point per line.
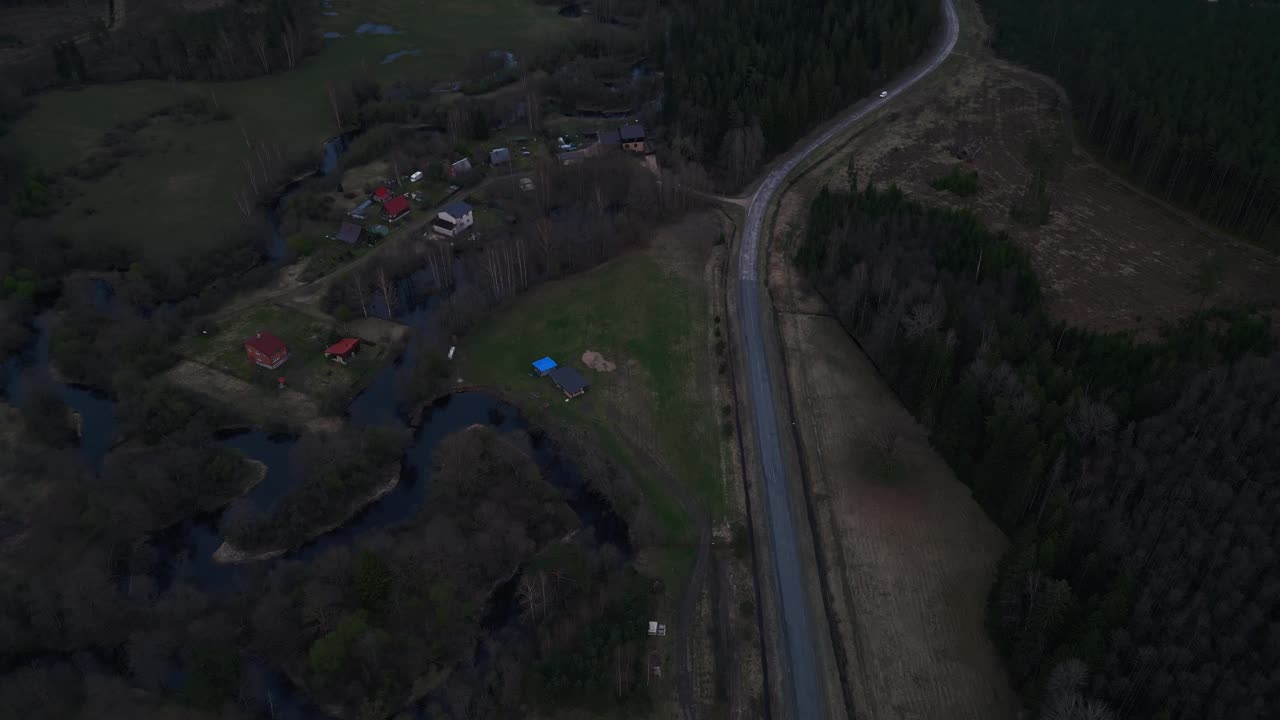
385	285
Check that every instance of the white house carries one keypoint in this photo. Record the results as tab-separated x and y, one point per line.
453	220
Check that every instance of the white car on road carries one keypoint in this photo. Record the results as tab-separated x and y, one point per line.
884	93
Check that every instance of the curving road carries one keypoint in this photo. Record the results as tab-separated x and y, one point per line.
797	601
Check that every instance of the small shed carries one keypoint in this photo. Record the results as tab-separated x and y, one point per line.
382	194
500	156
343	350
544	366
349	233
362	210
570	381
459	168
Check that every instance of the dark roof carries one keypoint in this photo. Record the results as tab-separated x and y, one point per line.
572	155
348	233
266	343
342	347
568	379
631	133
611	137
443	224
396	205
457	208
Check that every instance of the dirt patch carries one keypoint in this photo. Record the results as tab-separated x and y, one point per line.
375	329
597	362
1110	258
261	407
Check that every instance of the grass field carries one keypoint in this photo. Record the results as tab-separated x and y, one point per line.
178	195
647	314
307	371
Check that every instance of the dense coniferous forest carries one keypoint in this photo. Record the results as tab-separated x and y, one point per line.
1137	481
745	79
1181	94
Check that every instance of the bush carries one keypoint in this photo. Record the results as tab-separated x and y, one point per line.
369	146
957	182
47	418
303	244
32	199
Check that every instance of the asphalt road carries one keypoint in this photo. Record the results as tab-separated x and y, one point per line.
806	698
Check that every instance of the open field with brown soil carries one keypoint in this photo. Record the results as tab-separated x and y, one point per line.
1110	258
909	553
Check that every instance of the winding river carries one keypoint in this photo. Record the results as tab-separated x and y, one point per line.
184	552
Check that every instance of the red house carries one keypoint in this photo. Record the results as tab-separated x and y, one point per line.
382	194
395	208
343	350
266	350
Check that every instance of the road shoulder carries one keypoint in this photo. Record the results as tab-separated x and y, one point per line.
908	554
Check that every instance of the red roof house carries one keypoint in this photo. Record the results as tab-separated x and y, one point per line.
382	194
395	208
343	350
266	350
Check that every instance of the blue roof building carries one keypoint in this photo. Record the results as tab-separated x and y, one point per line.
544	366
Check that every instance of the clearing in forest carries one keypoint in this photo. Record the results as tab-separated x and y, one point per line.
645	313
1110	257
216	364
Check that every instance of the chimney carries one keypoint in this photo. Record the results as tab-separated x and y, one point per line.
259	336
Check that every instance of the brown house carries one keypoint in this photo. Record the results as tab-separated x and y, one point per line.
266	350
633	138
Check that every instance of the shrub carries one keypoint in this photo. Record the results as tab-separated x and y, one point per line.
303	244
957	182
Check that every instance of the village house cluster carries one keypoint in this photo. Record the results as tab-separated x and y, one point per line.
630	138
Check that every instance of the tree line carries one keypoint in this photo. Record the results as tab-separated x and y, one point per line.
746	79
1136	479
575	218
230	41
1180	94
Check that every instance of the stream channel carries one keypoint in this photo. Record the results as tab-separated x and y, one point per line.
184	551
